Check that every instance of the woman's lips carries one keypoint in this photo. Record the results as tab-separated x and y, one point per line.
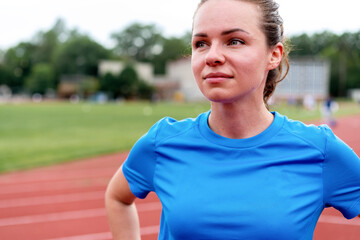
217	77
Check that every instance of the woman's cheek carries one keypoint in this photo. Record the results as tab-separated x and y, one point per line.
196	67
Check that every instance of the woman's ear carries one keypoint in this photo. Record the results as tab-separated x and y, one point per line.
276	54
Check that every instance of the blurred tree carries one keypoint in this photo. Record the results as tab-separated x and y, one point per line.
139	42
126	85
41	78
187	38
109	84
331	53
19	61
305	45
79	55
301	45
145	43
47	42
353	80
145	90
2	53
6	76
173	48
128	82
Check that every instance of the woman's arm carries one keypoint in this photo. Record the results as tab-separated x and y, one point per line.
122	214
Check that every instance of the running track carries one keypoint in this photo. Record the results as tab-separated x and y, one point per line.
66	202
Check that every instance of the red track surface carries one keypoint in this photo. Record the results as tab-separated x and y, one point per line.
66	202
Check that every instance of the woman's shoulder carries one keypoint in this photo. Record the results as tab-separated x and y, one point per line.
303	127
316	135
170	127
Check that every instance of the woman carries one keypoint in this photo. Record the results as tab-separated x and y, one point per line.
237	171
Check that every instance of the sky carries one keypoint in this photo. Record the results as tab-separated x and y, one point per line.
20	20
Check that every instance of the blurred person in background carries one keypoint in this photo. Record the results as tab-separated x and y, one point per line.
237	171
330	106
309	102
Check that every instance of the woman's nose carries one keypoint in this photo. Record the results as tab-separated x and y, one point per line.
215	56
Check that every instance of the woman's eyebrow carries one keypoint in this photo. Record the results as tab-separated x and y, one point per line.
226	32
234	30
200	35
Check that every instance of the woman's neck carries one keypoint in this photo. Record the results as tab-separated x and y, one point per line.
239	120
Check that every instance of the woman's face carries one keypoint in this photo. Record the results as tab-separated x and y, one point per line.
230	57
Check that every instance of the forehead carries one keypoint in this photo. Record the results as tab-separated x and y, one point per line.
222	14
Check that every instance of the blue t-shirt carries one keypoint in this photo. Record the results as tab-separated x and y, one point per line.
270	186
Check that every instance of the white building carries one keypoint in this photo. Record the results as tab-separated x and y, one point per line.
180	71
355	94
5	93
145	71
306	76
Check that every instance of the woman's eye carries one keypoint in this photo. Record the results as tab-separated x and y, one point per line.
200	44
236	42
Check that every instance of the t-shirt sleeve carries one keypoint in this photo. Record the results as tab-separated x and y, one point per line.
139	166
341	176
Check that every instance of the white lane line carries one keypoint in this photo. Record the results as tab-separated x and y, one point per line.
66	174
52	186
338	220
149	230
61	198
150	206
95	236
71	215
52	217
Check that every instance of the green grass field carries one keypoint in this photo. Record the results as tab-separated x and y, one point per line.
34	135
40	134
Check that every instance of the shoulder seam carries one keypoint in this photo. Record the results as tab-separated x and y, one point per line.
177	134
323	153
155	156
156	143
305	140
323	173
